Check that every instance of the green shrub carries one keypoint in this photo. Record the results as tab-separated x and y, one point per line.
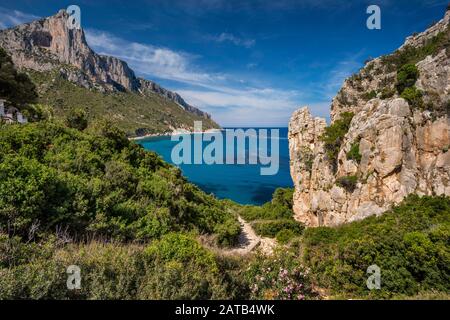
334	136
370	95
270	228
353	153
413	96
228	233
98	182
283	197
387	93
348	183
279	208
285	235
409	244
181	248
407	76
412	55
15	87
182	269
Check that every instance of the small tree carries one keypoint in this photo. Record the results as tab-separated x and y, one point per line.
353	153
413	96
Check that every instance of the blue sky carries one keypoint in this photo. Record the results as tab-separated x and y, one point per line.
248	63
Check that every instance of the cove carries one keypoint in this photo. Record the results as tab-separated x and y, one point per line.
242	183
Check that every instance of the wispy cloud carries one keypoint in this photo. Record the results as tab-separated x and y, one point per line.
148	59
231	38
247	106
10	18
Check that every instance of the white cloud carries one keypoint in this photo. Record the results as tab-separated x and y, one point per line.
214	93
247	106
11	18
228	37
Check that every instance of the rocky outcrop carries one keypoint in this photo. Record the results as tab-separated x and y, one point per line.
403	149
46	44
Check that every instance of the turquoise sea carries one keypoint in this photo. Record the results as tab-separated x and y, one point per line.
242	183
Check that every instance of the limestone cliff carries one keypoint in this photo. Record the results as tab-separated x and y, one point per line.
397	143
46	44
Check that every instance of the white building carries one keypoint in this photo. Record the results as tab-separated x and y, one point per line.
2	107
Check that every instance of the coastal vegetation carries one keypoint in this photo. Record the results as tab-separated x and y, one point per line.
353	153
97	183
347	182
413	54
274	219
74	190
89	197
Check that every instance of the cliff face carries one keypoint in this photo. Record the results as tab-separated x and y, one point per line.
46	44
401	143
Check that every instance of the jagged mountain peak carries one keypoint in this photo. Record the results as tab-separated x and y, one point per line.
48	43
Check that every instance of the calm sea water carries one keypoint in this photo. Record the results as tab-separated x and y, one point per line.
242	183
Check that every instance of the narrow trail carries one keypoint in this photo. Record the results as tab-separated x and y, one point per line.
249	241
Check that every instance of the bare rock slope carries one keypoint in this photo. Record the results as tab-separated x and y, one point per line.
397	143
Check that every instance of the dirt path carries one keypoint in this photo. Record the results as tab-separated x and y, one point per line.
249	240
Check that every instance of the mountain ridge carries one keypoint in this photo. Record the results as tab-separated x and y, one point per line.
47	44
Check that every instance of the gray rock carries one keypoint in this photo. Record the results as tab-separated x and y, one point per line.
404	150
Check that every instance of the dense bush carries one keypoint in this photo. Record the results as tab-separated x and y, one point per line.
97	183
413	96
15	87
387	93
175	267
353	153
410	244
228	232
271	228
407	76
370	95
279	208
334	136
77	119
280	277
